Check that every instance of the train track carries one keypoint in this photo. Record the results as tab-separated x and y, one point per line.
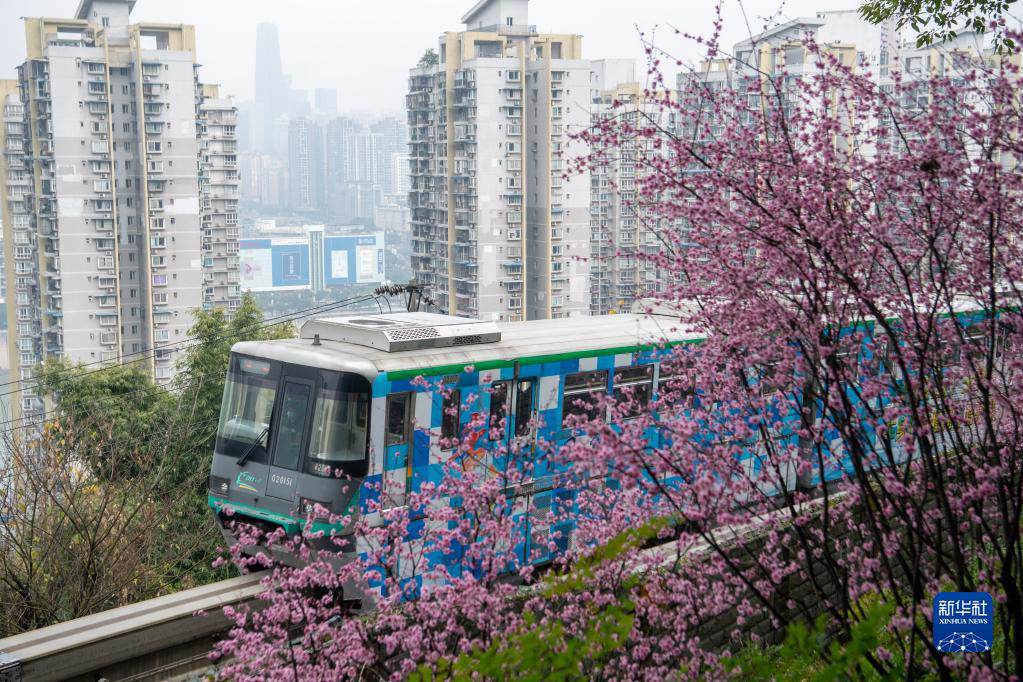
169	637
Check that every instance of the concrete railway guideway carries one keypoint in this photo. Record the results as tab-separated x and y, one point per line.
158	639
166	638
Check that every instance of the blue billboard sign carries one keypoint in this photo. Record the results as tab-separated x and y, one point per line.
285	264
356	259
290	265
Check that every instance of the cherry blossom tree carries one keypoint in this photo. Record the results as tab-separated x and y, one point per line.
846	434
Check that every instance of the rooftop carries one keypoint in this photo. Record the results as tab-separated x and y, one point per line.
85	5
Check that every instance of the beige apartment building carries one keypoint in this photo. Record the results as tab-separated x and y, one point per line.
497	231
119	191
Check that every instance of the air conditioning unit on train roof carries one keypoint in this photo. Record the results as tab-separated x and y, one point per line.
393	332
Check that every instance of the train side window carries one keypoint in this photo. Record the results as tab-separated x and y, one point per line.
766	379
498	405
523	407
449	421
673	385
888	359
975	341
581	394
1003	339
397	418
632	385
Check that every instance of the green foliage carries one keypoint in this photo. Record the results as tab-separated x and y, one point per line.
204	365
582	572
127	427
113	407
542	654
429	58
807	654
552	652
939	20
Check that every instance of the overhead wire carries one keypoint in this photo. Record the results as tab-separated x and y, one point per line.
177	345
11	424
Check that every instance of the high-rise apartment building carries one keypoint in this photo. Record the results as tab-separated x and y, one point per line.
778	54
264	180
116	159
390	138
497	232
219	191
360	167
624	229
340	158
325	101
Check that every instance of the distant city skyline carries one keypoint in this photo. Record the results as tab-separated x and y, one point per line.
365	48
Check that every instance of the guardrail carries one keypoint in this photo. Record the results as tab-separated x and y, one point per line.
160	638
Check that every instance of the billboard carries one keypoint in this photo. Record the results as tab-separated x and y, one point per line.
273	264
355	259
285	263
255	264
290	264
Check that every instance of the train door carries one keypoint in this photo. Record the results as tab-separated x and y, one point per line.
522	429
510	427
397	474
521	448
296	404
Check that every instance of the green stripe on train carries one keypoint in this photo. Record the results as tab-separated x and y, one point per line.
529	360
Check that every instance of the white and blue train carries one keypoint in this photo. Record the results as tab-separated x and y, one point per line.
344	398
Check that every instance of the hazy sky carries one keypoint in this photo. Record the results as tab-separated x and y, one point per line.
364	48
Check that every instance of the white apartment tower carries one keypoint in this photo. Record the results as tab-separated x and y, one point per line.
623	227
119	194
497	232
219	189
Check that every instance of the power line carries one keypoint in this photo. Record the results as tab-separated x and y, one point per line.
28	421
268	322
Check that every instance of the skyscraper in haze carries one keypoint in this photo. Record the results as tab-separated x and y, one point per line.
325	101
391	138
272	89
306	165
119	196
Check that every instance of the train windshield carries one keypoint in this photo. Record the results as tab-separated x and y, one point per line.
337	444
269	405
249	396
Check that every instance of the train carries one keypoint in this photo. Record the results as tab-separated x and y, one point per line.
343	397
358	395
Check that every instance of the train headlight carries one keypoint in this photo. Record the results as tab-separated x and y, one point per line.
307	508
219	486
